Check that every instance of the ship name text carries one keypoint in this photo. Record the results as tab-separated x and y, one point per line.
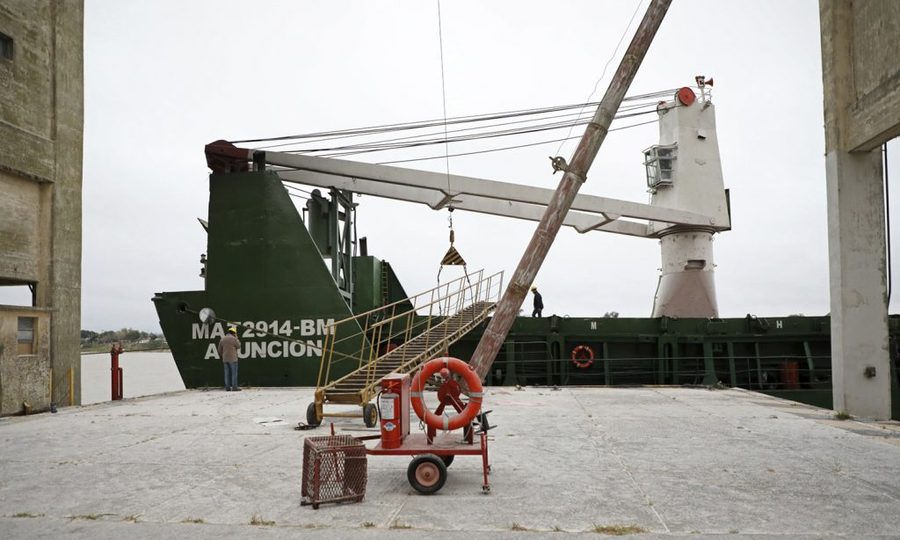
293	348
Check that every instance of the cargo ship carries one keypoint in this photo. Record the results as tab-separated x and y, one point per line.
292	280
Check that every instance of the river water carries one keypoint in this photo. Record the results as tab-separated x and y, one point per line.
144	373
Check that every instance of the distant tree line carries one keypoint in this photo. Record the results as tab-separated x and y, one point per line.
128	337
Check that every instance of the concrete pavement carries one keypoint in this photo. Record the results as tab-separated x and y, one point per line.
583	461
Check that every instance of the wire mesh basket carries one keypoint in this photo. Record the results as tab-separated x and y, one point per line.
334	470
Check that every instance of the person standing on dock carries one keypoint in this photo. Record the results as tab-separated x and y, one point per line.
229	346
538	303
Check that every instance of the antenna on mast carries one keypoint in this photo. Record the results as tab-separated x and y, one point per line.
702	83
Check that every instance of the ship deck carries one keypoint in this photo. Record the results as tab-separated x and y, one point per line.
668	461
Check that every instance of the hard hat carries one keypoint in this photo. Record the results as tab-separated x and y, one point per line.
233	330
533	287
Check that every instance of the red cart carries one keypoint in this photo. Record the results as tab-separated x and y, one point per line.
433	452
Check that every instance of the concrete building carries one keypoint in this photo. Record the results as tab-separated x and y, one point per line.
41	123
861	75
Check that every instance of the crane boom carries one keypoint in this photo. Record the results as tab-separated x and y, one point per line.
439	190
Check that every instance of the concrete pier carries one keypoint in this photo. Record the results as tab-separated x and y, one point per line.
658	460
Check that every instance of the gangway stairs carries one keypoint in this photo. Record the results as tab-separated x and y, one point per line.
397	338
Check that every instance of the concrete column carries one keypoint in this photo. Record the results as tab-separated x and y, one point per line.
862	105
857	262
65	266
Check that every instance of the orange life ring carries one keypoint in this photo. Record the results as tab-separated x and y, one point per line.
445	421
583	356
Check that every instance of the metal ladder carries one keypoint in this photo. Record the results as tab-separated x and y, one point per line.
398	338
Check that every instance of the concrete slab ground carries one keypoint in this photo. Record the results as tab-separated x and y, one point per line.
579	462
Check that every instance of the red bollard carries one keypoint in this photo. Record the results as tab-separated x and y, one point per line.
116	371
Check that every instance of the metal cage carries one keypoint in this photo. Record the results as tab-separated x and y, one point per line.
334	470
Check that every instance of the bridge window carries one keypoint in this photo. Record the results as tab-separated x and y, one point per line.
659	162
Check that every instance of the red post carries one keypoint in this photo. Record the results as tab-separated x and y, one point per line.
116	371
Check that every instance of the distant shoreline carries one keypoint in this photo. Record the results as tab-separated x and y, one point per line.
126	351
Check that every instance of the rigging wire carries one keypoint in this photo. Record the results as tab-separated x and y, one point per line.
514	147
365	148
310	193
490	150
446	150
443	93
385	128
434	133
541	119
297	196
460	130
605	67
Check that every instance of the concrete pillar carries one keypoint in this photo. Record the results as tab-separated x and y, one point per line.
862	104
857	262
67	129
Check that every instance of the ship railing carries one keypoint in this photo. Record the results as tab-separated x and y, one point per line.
535	363
403	331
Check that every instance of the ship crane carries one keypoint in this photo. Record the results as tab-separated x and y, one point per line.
427	471
688	201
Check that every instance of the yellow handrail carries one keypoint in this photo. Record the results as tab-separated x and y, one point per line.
381	327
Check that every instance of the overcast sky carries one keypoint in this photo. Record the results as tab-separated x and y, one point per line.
164	78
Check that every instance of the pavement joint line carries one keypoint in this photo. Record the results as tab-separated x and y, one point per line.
187	488
392	517
605	437
155	437
687	403
876	490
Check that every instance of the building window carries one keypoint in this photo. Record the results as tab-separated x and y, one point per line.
6	46
660	164
25	336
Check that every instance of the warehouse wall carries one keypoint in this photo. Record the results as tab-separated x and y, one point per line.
41	123
24	360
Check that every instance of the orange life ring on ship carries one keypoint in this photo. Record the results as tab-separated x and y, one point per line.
583	356
445	421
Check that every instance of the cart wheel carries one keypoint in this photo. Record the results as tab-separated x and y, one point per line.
447	459
370	415
427	473
312	418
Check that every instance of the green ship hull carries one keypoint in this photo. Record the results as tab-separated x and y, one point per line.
264	272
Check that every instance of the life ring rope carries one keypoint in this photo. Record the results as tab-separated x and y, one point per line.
583	356
445	421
